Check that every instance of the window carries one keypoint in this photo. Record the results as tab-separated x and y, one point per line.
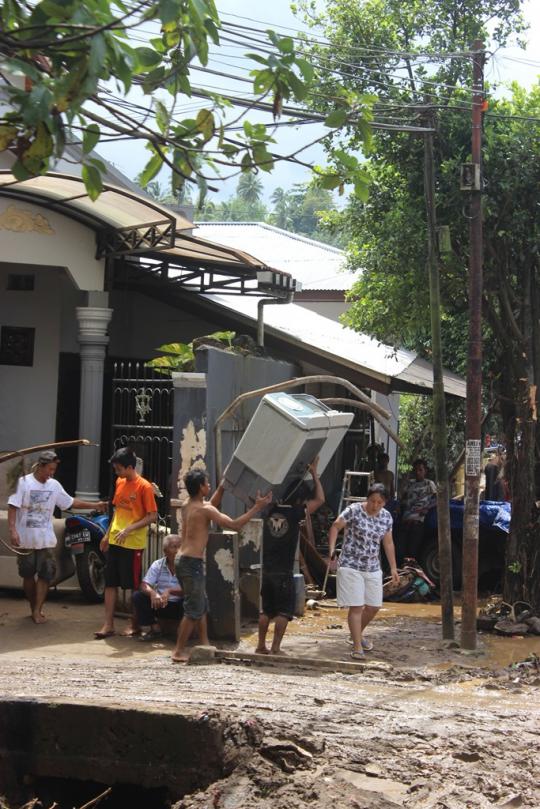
20	283
17	345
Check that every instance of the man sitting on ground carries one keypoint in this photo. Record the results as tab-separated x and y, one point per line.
160	596
197	515
280	541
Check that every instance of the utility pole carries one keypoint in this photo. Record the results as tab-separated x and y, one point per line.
472	182
439	404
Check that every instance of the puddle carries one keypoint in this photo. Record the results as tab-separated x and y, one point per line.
392	790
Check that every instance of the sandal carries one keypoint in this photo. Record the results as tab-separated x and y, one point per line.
367	645
149	636
357	654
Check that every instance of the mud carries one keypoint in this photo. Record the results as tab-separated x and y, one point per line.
432	728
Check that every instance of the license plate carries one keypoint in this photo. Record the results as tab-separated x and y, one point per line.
73	537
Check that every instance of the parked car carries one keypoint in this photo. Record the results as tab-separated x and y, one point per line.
494	525
79	562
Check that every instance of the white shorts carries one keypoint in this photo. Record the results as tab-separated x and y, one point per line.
358	588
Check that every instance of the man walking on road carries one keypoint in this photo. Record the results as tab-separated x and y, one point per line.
197	515
30	515
134	510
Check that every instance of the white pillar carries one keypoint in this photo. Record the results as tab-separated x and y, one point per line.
93	339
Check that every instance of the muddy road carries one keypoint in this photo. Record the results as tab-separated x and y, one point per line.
422	726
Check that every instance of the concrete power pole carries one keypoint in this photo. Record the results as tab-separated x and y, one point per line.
472	183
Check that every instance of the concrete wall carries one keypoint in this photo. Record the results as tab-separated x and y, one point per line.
329	309
28	394
33	235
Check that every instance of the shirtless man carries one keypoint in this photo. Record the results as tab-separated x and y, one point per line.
197	515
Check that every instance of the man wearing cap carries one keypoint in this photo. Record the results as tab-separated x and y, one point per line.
30	513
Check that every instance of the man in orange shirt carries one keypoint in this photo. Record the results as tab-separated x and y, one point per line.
124	543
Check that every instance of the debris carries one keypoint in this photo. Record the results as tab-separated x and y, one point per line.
286	754
201	655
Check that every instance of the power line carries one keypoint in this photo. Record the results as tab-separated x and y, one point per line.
325	41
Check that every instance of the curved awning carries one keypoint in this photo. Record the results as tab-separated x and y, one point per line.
158	240
125	222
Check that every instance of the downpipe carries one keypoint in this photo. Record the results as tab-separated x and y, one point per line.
260	313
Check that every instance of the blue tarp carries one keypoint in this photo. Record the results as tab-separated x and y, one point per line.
493	514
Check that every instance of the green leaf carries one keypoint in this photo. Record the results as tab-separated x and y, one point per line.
169	11
306	68
257	58
286	45
299	89
336	119
152	168
97	55
90	138
162	116
92	181
330	181
7	135
147	57
205	123
176	349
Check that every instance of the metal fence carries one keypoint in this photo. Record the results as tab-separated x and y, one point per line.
142	419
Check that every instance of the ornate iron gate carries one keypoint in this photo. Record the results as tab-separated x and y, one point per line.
142	419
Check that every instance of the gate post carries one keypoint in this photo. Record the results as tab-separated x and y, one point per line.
189	433
93	339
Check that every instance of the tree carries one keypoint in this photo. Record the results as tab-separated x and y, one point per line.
249	189
72	67
379	42
280	216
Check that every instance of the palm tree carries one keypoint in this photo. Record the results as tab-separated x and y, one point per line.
280	216
249	189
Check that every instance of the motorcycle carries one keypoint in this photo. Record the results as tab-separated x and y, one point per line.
82	538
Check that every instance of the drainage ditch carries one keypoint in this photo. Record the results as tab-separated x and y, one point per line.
69	753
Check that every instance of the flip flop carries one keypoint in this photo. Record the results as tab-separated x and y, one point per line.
103	635
367	645
357	655
149	636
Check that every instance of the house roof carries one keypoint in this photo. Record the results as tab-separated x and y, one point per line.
317	266
326	343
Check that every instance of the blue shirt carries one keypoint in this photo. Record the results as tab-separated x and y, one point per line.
160	578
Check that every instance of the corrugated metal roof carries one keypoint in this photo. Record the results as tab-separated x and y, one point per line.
398	369
315	264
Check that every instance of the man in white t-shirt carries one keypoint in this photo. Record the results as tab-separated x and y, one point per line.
30	515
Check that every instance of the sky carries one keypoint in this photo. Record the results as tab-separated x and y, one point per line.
508	64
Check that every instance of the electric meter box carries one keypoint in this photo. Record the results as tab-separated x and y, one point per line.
286	433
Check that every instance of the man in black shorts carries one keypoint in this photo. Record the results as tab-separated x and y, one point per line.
134	510
280	541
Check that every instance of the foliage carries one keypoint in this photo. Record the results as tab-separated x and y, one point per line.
415	430
387	232
300	209
64	59
181	356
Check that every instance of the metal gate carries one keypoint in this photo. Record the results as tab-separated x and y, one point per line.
142	419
